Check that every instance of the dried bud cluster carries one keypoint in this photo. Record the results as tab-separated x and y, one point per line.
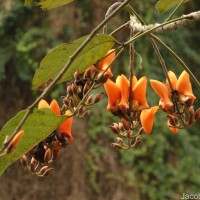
78	91
46	152
124	133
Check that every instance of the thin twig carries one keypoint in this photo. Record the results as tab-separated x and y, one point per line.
174	11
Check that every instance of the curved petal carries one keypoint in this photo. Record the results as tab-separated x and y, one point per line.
147	117
139	92
134	81
162	90
173	129
123	83
66	126
113	93
184	86
173	80
55	107
43	104
106	62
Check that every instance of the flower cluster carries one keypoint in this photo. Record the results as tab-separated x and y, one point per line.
127	100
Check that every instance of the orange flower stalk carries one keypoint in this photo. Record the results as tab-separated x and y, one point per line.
182	85
66	126
118	93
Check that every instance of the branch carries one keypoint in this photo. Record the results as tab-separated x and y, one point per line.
64	69
185	20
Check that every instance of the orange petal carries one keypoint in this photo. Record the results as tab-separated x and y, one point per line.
16	139
139	92
113	93
106	62
173	80
184	86
43	104
55	107
123	83
162	90
134	81
66	126
173	129
147	117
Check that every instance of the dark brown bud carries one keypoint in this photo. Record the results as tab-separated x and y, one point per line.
48	172
74	88
86	113
189	102
98	97
31	167
47	155
171	109
89	99
71	103
43	169
55	154
116	145
80	110
191	119
121	127
86	88
104	78
114	129
69	90
137	143
24	161
191	110
172	120
197	114
76	75
125	124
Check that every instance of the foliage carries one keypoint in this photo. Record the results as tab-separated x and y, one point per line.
157	163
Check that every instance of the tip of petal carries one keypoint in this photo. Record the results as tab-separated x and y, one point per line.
55	107
43	104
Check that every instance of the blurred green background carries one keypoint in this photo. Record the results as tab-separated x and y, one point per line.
163	168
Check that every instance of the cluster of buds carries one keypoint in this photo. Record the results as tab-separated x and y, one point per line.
38	159
177	100
125	135
78	99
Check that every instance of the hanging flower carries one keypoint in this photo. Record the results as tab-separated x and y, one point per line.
66	126
181	86
118	93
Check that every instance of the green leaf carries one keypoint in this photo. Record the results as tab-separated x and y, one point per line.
39	124
52	64
164	5
27	3
51	4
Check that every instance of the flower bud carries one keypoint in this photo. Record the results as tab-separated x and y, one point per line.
76	75
47	155
172	120
116	145
98	98
48	172
125	124
197	114
55	154
24	161
89	99
86	88
114	129
69	90
191	119
191	110
74	88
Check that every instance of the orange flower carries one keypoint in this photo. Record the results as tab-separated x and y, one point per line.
182	86
118	93
173	129
66	126
147	118
106	62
